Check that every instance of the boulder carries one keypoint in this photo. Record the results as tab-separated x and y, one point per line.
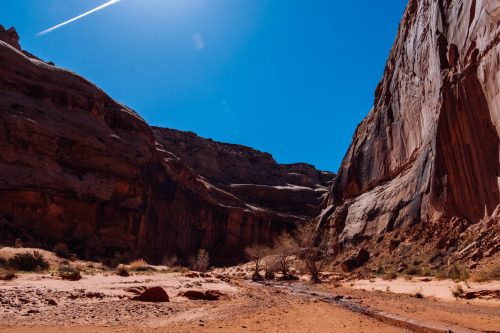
209	295
355	260
155	294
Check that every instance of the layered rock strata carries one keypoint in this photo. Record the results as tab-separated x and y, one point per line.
80	168
429	148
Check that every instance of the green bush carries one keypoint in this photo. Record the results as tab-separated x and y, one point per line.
28	262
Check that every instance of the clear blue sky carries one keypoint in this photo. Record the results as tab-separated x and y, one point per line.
289	77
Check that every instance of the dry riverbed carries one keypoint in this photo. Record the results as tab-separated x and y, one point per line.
102	303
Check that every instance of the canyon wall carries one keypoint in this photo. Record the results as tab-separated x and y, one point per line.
80	168
428	150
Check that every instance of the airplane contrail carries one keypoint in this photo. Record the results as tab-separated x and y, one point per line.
109	3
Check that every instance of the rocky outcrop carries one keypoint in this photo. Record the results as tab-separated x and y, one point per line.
81	168
251	176
429	148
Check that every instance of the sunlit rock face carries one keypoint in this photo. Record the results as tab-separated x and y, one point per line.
81	168
428	150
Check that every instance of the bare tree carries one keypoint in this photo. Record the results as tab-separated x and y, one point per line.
256	253
313	246
202	260
284	250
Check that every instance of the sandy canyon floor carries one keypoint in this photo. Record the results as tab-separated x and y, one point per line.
101	302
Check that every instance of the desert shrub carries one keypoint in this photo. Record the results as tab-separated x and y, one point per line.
28	262
62	251
414	270
122	271
73	275
202	260
111	263
8	275
457	272
493	273
458	291
426	271
170	261
479	277
441	274
179	269
65	267
138	265
390	276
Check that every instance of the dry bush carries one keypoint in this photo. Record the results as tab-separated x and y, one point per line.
8	275
28	262
426	271
75	275
179	269
414	270
138	265
122	271
62	251
458	291
170	261
457	272
493	273
390	276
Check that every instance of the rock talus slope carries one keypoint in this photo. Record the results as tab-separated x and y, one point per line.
429	148
78	167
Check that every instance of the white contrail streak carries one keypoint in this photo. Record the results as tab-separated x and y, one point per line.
109	3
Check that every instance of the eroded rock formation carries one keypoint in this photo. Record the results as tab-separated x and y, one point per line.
429	148
78	167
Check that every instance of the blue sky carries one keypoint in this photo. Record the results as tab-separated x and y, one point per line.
289	77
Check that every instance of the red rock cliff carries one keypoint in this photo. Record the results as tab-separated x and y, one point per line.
78	167
429	148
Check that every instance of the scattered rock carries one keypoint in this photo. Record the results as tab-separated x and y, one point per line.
209	295
192	275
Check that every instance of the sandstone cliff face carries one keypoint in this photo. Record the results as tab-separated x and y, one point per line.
428	150
78	167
